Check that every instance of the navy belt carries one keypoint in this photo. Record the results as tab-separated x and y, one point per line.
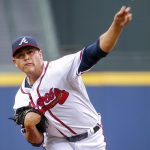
81	136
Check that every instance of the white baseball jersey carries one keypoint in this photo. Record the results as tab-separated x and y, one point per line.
61	95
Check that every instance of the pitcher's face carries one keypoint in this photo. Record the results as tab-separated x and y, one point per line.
29	60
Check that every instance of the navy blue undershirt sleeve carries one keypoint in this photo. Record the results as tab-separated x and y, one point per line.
91	55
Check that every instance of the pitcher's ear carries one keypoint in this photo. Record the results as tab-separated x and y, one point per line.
41	54
14	62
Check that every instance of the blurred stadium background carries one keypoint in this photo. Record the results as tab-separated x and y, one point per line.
119	85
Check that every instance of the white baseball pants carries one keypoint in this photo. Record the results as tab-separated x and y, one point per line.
92	142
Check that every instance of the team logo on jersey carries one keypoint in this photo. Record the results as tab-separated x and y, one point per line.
24	40
50	99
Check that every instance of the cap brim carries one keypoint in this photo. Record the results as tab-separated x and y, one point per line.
18	48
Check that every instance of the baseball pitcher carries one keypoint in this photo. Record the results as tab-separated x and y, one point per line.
52	105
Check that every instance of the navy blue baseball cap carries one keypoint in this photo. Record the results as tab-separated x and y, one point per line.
23	41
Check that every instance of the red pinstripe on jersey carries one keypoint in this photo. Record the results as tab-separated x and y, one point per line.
41	80
62	123
30	97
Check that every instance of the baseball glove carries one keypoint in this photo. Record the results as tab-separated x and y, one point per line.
22	112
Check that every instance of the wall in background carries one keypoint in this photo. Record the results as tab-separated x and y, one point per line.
80	22
125	116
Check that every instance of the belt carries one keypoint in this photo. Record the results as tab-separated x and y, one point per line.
81	136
